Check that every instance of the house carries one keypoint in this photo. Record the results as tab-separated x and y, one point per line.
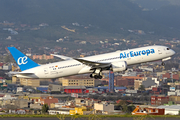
17	111
55	112
48	100
1	66
20	103
80	110
35	106
159	100
7	97
85	101
148	111
53	87
103	108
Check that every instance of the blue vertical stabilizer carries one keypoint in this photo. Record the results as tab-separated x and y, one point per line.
22	60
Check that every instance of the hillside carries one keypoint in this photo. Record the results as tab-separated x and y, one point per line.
156	4
101	17
109	15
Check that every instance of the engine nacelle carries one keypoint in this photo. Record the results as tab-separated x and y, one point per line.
119	66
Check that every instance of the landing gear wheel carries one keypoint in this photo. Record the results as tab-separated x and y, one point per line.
100	77
163	64
96	77
91	76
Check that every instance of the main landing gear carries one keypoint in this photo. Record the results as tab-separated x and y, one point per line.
97	74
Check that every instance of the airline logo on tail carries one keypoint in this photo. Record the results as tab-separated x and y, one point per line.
22	60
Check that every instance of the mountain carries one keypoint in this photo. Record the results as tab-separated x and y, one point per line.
103	13
156	4
114	16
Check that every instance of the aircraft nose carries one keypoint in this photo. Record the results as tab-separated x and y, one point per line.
173	52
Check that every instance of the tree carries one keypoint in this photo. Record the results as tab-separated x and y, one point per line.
7	59
142	88
45	108
131	108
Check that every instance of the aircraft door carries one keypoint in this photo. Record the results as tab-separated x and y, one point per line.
160	51
46	71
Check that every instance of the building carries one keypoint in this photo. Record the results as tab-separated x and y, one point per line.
137	84
148	111
18	111
7	67
36	106
26	82
30	82
80	81
43	89
20	103
55	112
53	87
74	89
40	57
7	97
1	66
147	82
175	99
170	75
57	105
158	90
80	111
102	89
15	80
170	109
125	82
85	101
48	100
103	108
159	100
173	84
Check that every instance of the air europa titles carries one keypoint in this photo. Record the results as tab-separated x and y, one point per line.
136	53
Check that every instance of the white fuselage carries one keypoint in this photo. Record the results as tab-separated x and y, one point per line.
74	67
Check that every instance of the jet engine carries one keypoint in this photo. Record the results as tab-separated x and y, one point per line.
119	66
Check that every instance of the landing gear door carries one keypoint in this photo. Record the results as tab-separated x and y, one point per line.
46	71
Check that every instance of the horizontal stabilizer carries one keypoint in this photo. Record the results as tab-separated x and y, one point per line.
62	57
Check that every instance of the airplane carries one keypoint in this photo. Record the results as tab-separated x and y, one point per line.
115	61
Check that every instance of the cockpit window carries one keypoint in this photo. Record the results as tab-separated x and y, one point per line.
167	48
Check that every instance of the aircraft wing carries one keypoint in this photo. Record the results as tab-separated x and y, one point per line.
93	64
62	57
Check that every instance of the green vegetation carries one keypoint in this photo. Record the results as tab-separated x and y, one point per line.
45	108
125	106
90	116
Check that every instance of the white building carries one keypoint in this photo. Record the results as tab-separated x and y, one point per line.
171	109
105	108
55	112
7	97
59	105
